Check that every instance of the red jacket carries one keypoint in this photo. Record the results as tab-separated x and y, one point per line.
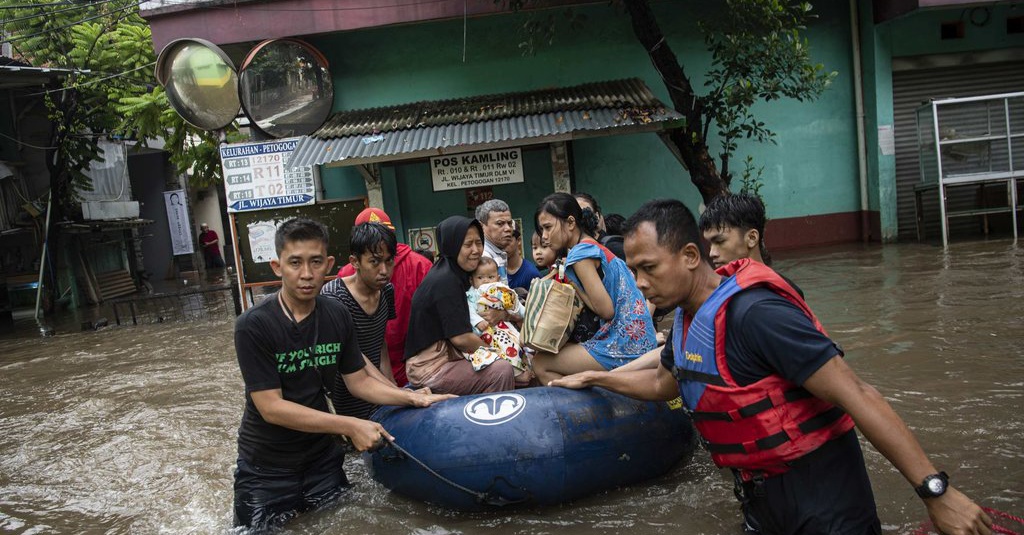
410	268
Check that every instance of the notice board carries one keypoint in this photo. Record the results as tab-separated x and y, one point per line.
338	216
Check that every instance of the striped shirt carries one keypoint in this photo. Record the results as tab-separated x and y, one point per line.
370	335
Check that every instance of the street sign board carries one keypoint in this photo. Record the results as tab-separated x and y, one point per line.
476	169
255	177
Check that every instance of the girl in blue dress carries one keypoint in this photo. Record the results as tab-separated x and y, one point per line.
605	286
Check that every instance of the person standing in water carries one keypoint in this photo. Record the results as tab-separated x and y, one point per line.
769	391
289	347
409	270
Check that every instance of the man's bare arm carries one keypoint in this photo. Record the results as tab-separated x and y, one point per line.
836	382
651	384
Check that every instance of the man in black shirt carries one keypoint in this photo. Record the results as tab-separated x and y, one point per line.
771	396
289	347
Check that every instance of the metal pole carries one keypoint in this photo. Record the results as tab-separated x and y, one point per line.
938	166
241	301
858	93
1011	184
42	256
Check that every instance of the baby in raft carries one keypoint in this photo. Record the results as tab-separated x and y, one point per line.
502	340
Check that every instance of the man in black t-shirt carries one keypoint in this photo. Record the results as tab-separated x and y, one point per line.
774	346
289	347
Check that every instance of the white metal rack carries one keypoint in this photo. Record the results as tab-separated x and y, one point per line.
970	141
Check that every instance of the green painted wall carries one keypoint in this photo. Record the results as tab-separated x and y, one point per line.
919	33
811	170
342	183
876	65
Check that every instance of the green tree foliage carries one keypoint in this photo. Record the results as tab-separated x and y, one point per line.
112	91
757	54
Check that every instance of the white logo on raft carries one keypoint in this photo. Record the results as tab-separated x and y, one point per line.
494	409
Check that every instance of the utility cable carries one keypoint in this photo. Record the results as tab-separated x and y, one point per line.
41	5
90	82
26	144
111	13
54	12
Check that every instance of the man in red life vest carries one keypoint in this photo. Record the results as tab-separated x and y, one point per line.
768	390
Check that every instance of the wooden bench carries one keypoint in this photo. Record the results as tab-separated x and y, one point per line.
115	284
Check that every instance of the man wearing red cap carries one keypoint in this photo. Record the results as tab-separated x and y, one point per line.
410	268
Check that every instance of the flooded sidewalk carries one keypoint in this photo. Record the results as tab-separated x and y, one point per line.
132	429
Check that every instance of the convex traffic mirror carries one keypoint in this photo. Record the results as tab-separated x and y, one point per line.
200	81
285	88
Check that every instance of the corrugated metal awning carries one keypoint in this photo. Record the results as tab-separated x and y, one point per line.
423	129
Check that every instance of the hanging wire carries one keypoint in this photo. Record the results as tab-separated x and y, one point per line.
26	144
29	6
112	12
56	11
90	82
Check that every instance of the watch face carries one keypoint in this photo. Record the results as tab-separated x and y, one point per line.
936	485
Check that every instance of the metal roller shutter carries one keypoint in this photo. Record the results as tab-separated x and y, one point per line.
912	88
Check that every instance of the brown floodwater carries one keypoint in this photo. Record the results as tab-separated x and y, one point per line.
132	429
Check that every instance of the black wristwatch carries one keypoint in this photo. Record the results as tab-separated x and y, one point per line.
933	486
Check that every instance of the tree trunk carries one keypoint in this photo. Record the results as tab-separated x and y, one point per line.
689	139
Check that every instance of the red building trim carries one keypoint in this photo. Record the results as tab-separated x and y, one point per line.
829	229
240	22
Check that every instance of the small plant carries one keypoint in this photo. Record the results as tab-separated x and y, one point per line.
750	180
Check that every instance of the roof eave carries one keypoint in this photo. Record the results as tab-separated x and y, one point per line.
541	140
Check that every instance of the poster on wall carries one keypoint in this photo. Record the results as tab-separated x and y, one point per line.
477	169
255	177
261	241
477	196
178	222
423	239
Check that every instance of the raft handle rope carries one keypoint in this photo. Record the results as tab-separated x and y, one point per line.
489	497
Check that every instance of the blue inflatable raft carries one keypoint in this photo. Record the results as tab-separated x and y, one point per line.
536	446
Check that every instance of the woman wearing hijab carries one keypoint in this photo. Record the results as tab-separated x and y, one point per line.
439	329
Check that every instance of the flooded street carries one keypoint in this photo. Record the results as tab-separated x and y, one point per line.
132	429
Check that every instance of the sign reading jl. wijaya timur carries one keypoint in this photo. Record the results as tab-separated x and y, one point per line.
475	169
255	177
